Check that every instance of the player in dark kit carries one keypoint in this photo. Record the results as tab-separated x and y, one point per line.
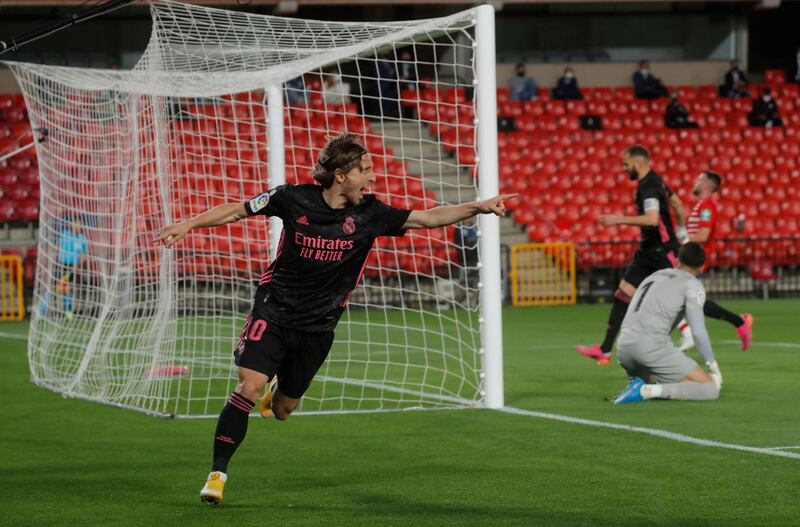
328	230
658	248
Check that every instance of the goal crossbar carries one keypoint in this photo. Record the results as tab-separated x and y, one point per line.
222	106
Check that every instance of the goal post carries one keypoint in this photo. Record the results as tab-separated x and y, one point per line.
275	150
488	170
222	106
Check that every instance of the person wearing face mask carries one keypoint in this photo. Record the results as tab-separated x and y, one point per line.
765	111
735	82
645	85
676	115
520	86
658	248
567	87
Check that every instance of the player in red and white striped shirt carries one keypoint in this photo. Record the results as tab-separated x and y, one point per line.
700	228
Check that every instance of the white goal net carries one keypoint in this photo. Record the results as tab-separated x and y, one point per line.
119	320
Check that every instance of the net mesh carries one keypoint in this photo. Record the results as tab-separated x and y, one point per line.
119	320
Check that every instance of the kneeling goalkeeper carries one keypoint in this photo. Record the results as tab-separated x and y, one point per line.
328	230
658	370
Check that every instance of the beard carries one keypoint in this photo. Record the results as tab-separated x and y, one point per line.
633	175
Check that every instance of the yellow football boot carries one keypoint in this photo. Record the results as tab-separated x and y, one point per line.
265	403
212	491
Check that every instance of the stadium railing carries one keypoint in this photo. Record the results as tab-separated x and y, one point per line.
738	267
542	274
12	305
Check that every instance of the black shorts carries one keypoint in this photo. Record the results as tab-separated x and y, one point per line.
295	356
648	261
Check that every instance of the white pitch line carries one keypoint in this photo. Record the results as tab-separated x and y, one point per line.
13	336
651	431
791	345
784	448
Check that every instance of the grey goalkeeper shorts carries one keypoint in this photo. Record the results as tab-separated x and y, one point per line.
662	363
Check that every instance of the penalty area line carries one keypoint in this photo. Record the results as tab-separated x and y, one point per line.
652	432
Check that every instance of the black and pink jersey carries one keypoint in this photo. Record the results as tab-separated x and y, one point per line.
321	256
651	189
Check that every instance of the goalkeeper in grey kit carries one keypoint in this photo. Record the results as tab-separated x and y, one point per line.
328	231
658	370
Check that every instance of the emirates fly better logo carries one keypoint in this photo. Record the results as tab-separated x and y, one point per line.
349	225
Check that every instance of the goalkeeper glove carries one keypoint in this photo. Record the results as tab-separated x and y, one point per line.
714	373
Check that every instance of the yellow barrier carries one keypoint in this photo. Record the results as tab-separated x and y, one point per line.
12	302
543	274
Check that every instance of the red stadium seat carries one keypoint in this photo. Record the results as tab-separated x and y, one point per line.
774	76
707	92
8	211
624	93
602	94
28	210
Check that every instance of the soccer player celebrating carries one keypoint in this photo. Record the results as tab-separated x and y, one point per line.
700	229
328	230
657	249
645	349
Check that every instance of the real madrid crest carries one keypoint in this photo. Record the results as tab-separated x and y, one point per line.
349	225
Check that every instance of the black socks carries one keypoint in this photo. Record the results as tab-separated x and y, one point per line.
618	310
231	429
714	310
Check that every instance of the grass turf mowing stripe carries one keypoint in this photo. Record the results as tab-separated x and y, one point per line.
651	431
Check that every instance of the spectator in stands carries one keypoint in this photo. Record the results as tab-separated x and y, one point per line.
797	75
735	82
407	71
296	93
407	79
567	86
765	111
676	115
387	86
334	91
645	85
522	87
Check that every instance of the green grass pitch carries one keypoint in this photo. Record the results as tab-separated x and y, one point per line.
72	462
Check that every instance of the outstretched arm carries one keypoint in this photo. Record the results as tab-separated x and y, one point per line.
219	215
450	214
648	219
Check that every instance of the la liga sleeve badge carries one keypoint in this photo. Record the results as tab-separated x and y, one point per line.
259	202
